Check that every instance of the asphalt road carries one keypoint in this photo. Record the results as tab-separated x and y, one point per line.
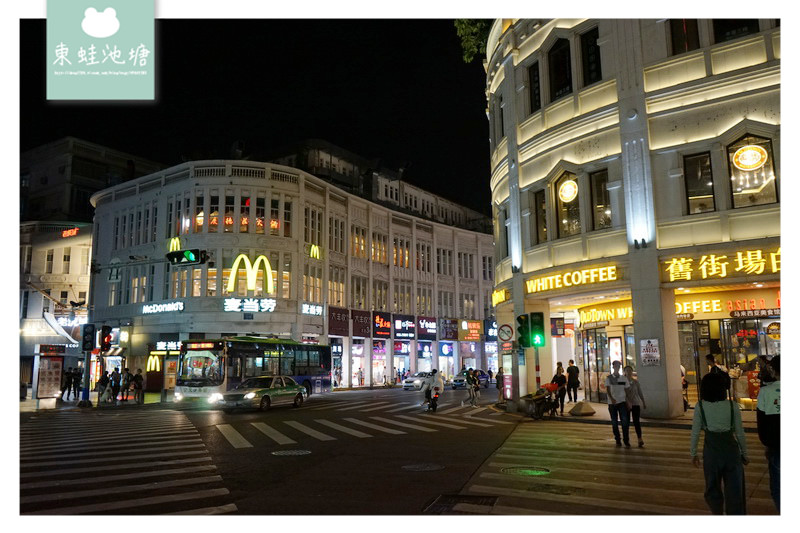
355	466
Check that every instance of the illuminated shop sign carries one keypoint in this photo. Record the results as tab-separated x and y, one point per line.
491	329
69	233
312	309
149	309
586	276
153	364
750	157
381	324
713	266
568	191
67	322
168	345
402	347
251	269
314	251
448	329
424	350
404	326
426	328
470	330
491	348
445	349
175	244
249	305
499	296
756	313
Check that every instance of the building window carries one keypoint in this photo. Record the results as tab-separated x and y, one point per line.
401	252
358	292
287	219
488	268
540	214
48	265
244	212
569	211
752	171
358	245
312	283
230	199
336	235
379	247
213	215
560	69
197	281
260	210
28	259
535	91
729	29
380	292
590	57
699	183
275	217
601	203
66	260
684	35
336	278
444	262
155	223
286	276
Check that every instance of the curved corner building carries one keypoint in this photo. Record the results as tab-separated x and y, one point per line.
635	189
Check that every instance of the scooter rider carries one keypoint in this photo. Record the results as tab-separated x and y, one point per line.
434	380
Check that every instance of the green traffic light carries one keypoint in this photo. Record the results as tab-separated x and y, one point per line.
538	340
189	255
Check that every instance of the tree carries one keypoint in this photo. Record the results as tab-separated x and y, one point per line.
473	34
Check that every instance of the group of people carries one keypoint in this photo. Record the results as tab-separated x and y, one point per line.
567	385
473	388
110	386
71	383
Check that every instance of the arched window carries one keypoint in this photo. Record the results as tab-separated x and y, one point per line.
569	210
752	171
559	69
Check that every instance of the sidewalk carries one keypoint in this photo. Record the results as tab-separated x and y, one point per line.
29	405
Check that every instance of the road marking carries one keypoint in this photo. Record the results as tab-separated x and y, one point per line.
426	421
99	428
406	408
339	404
360	406
488	420
274	434
128	443
158	447
139	502
119	467
117	490
496	413
220	509
354	432
403	424
476	411
96	460
233	436
114	437
94	480
454	409
376	408
462	421
376	427
309	431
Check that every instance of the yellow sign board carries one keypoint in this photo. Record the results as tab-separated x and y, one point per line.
175	244
153	363
252	273
314	252
574	278
714	266
499	296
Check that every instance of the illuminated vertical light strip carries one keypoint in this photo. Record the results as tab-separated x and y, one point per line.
640	211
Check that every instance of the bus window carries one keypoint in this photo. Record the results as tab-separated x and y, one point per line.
301	360
201	367
313	357
272	365
254	366
325	357
235	370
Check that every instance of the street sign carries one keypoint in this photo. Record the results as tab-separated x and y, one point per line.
505	332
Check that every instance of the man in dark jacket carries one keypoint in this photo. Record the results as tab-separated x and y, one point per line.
768	416
713	367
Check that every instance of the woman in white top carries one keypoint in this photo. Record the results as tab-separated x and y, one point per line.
724	447
636	400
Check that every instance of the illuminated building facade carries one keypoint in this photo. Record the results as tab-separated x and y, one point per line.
635	169
294	256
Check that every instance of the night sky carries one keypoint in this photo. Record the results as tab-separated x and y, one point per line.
397	90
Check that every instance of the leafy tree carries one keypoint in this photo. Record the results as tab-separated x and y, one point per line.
473	34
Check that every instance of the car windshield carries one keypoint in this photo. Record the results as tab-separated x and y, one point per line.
420	375
256	383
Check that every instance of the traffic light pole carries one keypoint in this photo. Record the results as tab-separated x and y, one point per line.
536	362
85	401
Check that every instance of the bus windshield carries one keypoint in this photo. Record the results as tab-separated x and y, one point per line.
201	368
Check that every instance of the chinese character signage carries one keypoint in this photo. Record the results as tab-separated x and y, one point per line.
491	329
100	52
172	346
249	305
470	330
381	324
362	323
403	326
426	328
69	233
448	329
338	321
312	309
722	266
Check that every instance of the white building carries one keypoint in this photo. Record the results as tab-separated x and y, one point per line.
338	263
635	168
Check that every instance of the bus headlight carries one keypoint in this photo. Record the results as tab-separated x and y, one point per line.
249	395
215	397
178	396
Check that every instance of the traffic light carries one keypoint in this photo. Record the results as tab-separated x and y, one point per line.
105	338
524	331
87	337
187	257
537	329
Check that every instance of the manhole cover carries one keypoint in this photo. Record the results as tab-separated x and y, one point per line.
424	467
291	452
526	471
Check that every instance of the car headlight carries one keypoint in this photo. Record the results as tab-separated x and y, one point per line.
178	396
249	395
416	382
215	397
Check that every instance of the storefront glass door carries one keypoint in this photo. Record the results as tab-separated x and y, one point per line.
596	363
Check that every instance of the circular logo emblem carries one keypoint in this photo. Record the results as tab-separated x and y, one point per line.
750	157
568	191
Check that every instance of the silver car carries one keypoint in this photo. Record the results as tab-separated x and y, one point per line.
263	392
415	381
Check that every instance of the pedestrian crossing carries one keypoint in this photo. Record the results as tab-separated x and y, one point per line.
575	468
395	421
128	462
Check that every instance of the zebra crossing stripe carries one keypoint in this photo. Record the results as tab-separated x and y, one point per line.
374	408
403	424
405	408
454	409
233	436
475	412
426	421
309	431
339	404
102	479
98	460
489	420
272	433
360	406
220	509
463	420
128	443
343	429
181	446
114	437
375	426
117	490
119	467
100	427
127	504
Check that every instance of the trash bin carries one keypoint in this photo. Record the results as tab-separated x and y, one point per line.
23	391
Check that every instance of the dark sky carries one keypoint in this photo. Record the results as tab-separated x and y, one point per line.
391	89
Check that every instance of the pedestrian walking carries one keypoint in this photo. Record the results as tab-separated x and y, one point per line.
573	381
714	368
138	387
361	376
636	401
618	409
66	383
470	382
499	380
561	380
127	381
102	385
477	384
115	382
724	446
77	377
490	375
768	417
